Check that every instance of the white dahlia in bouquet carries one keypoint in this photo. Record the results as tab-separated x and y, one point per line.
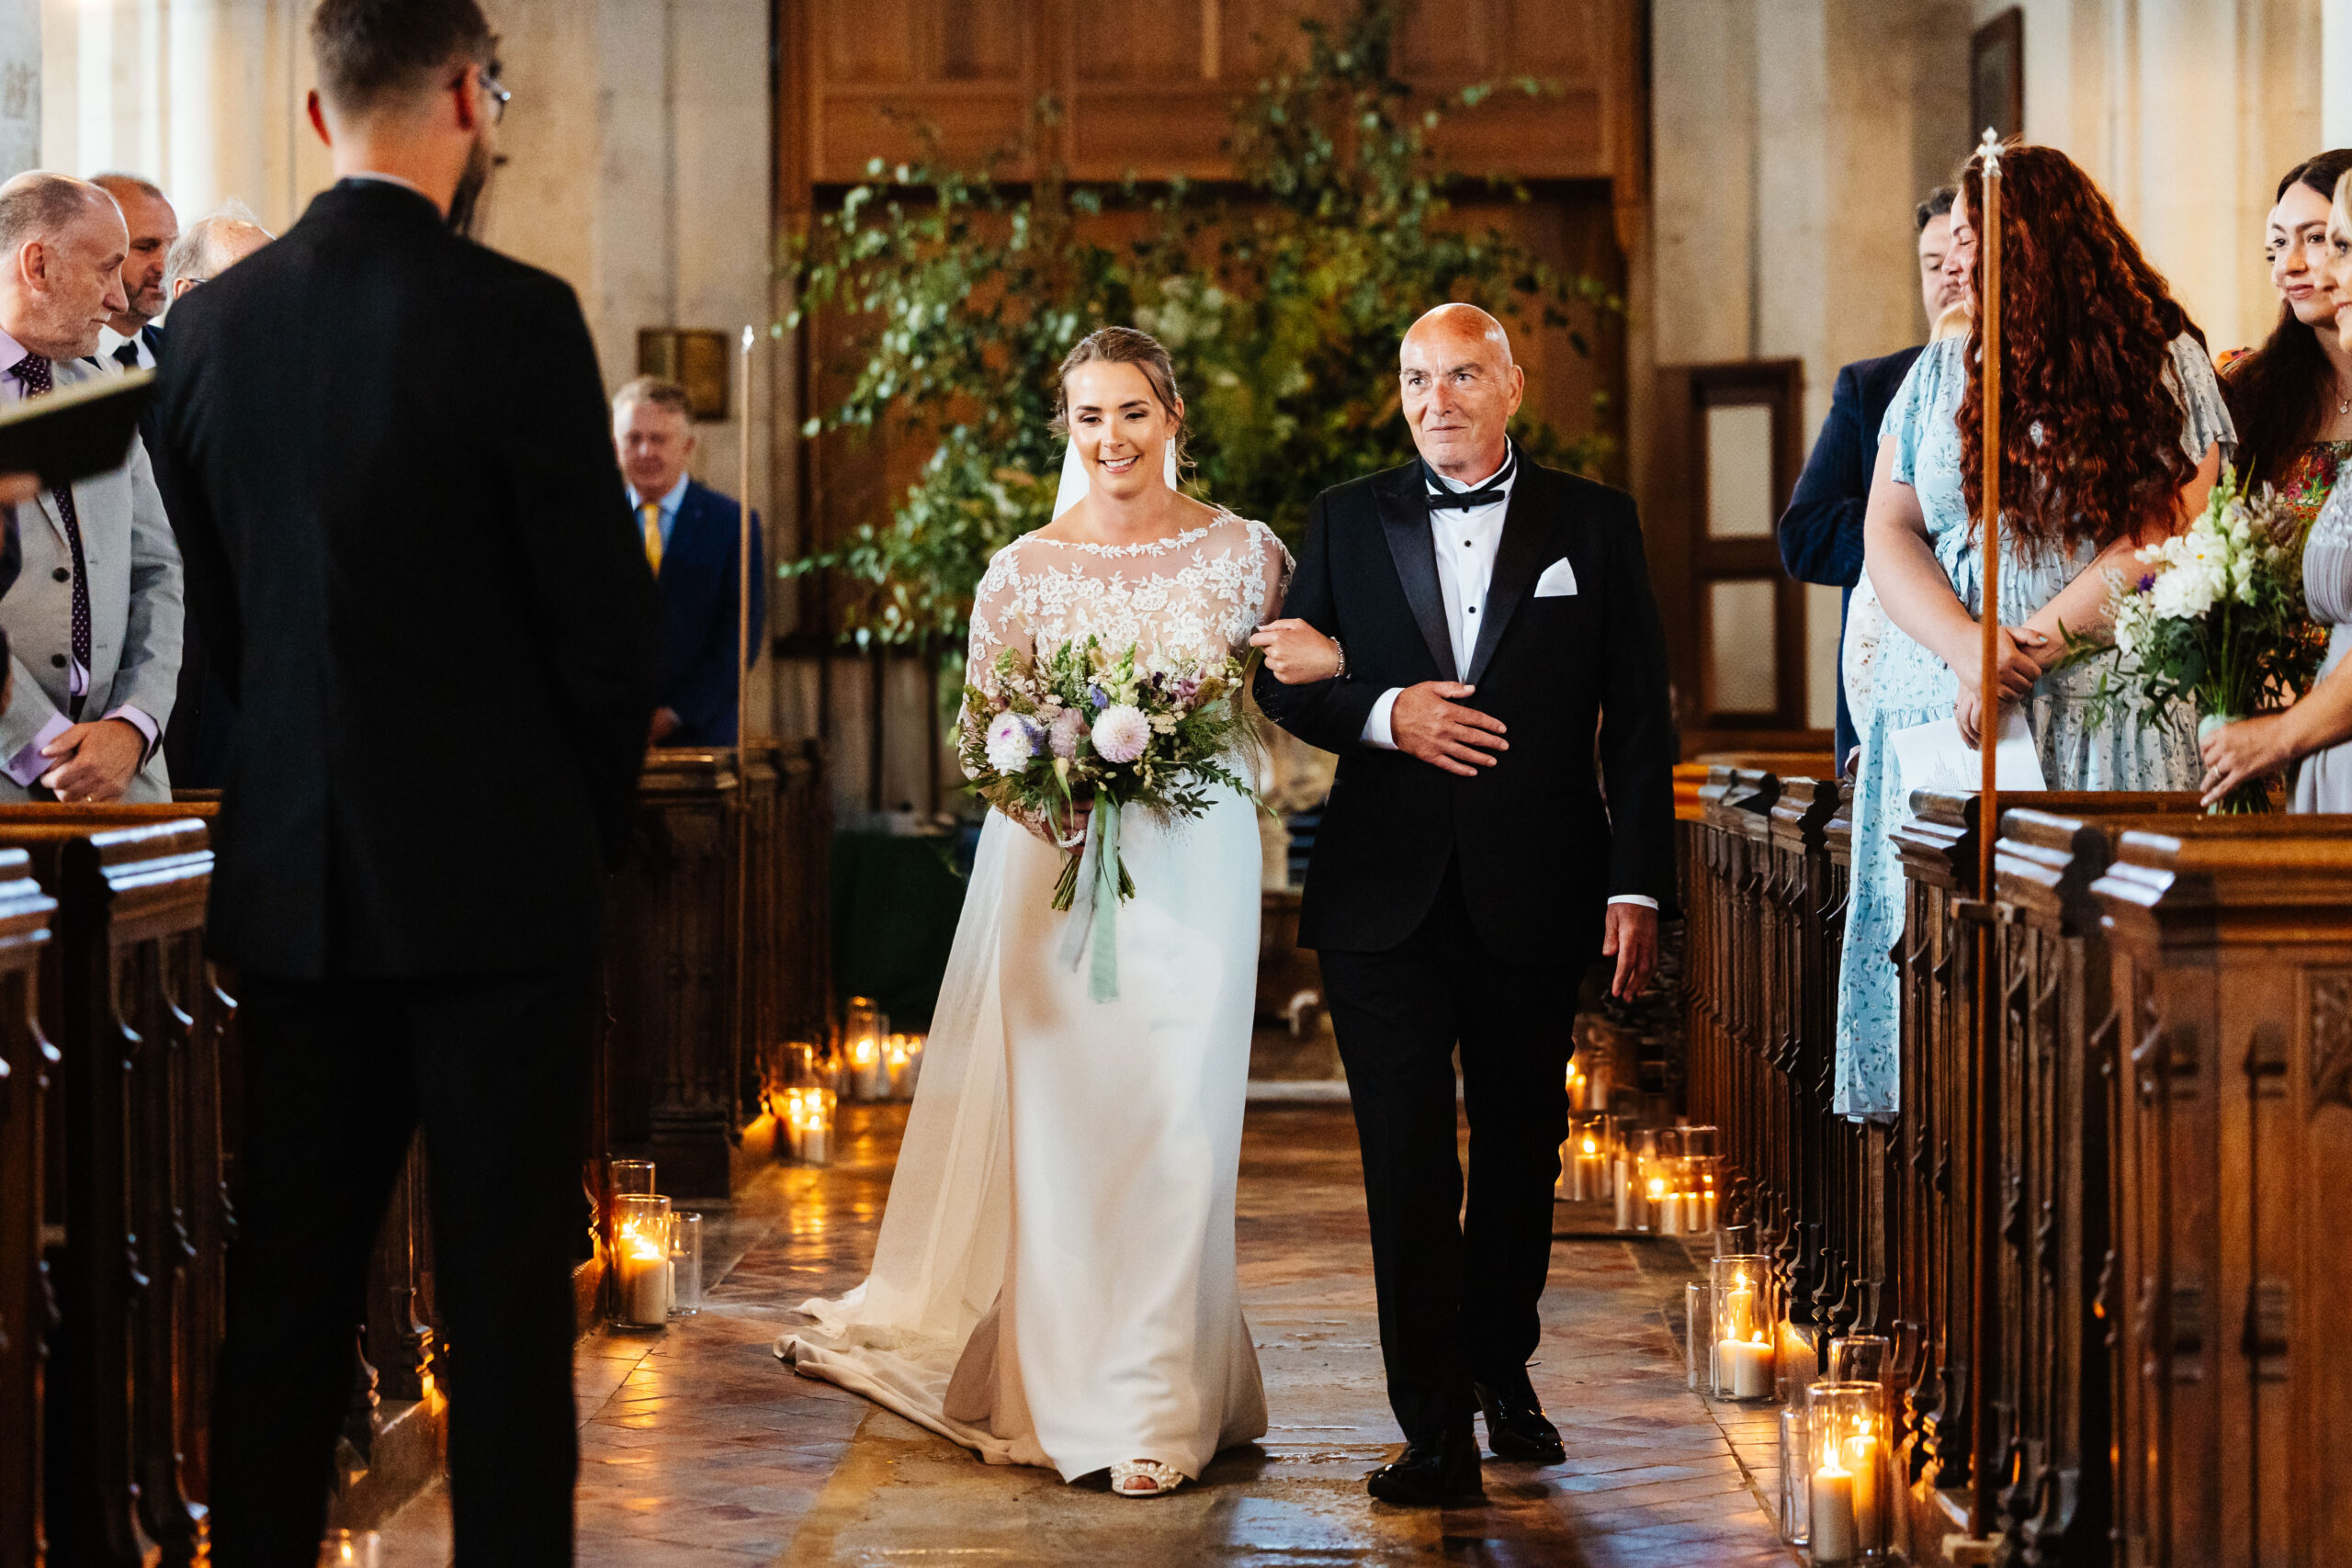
1041	736
2213	621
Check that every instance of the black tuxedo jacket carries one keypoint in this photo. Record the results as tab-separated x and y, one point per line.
1544	838
391	472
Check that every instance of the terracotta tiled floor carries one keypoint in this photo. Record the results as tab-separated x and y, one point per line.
698	1448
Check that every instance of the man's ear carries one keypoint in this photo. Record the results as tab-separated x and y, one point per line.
319	119
32	263
468	108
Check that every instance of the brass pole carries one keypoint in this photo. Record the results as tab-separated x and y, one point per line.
743	551
1983	1434
747	1019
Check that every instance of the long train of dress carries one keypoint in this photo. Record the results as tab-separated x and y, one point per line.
1054	1283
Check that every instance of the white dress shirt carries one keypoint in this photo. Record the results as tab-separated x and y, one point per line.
110	344
1465	541
670	504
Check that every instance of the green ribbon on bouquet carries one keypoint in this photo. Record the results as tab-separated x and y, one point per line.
1095	910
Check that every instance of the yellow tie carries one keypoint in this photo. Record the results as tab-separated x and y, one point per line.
652	510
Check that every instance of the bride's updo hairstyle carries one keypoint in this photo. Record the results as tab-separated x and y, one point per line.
1124	345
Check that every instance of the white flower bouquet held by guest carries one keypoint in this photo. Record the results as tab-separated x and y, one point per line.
2214	619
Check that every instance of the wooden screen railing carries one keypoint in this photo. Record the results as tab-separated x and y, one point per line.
1871	1226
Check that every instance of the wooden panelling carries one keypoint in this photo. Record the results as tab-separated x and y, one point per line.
1154	94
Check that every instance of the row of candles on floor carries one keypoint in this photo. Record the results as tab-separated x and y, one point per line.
1837	1499
871	1064
656	1251
1661	1180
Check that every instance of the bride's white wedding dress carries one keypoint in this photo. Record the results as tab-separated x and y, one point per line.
1054	1282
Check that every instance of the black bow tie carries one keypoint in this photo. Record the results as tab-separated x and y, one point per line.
1442	498
128	355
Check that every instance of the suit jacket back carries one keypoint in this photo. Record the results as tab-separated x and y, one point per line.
390	471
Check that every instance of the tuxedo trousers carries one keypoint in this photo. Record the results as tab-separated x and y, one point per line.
1460	1284
339	1077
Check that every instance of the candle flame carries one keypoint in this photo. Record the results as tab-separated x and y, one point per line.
1756	1338
1588	1147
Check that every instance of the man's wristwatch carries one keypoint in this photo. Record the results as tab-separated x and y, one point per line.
1342	650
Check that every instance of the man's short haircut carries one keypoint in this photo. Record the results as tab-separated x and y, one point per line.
653	389
140	183
1939	202
374	53
35	205
198	253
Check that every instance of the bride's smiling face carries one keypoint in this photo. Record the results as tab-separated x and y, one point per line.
1119	426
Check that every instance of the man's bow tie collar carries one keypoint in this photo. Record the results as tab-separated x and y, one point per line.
1441	497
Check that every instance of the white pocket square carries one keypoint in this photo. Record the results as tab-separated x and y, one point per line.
1559	580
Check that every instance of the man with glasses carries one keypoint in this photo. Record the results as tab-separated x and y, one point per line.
390	460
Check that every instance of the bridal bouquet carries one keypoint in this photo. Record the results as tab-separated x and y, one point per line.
1083	724
2215	618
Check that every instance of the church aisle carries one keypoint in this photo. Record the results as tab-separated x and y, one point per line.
698	1449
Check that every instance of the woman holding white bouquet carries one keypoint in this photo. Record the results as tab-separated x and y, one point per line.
2318	729
2112	430
1055	1281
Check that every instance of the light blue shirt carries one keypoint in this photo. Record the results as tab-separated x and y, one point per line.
670	504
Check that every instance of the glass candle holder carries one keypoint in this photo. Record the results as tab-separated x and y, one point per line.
902	1060
631	1176
641	1270
350	1548
1861	1358
1576	1082
1796	1476
810	1115
1851	1495
685	1265
1745	1351
1700	1142
1584	1160
1699	1205
1699	1336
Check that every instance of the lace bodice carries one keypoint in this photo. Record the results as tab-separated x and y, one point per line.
1196	597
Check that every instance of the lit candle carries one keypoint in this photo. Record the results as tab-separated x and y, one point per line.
1664	1211
644	1277
1739	1309
869	1074
898	1061
1833	1511
1861	1459
1744	1367
1706	1225
1591	1176
817	1140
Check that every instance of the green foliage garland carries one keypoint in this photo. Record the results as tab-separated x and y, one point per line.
1282	310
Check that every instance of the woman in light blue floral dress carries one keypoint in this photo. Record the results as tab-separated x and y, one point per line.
2113	430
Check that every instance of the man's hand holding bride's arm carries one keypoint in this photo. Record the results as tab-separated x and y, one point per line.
1295	652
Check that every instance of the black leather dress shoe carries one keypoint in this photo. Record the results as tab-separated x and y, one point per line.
1430	1474
1516	1425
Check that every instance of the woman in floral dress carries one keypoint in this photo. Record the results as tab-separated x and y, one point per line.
2113	429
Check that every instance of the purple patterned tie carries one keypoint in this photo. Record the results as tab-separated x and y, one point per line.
33	370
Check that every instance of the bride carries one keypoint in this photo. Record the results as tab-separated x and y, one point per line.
1054	1282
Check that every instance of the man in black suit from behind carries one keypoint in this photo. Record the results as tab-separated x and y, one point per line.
390	463
1821	533
1470	633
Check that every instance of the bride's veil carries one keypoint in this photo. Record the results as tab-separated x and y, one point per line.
940	1259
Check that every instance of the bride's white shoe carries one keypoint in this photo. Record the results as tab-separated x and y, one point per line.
1145	1478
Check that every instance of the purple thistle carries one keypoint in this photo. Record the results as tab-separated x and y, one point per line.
2147	583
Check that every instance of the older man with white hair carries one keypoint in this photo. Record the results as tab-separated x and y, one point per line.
199	742
213	243
94	623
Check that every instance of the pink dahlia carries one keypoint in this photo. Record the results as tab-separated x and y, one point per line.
1122	733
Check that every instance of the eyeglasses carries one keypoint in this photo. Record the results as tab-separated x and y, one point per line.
498	94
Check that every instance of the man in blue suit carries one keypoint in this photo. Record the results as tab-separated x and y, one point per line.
1821	533
690	536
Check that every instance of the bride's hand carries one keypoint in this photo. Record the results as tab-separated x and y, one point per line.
1295	652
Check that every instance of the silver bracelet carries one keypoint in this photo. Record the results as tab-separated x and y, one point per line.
1342	650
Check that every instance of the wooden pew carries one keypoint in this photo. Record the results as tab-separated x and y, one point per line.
2233	973
28	1073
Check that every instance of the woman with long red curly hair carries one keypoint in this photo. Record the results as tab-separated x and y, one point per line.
2112	431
